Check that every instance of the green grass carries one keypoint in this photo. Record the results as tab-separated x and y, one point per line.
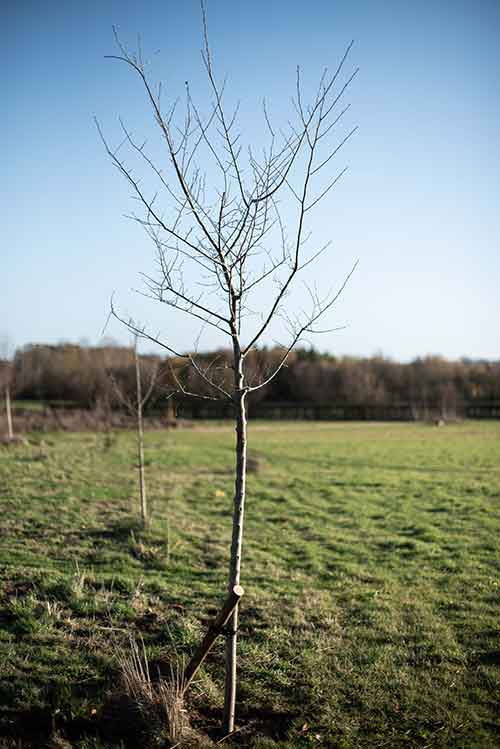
371	614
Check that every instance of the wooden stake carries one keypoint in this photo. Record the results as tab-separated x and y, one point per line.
215	629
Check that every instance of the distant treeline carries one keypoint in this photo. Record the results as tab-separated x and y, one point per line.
310	382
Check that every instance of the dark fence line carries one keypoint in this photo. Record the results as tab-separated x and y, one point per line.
191	409
482	410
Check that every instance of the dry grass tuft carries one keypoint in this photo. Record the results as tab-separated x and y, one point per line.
148	553
78	581
57	742
160	702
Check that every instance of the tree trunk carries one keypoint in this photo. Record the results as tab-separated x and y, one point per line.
236	544
10	432
140	442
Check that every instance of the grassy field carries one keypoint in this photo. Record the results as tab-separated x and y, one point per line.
372	609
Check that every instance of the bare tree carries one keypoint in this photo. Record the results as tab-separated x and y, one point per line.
136	406
240	230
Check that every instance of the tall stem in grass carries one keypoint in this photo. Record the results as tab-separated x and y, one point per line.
8	409
237	540
140	439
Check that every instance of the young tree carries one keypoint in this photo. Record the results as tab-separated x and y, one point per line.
243	232
136	406
6	383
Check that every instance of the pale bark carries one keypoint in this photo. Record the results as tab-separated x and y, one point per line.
237	542
8	409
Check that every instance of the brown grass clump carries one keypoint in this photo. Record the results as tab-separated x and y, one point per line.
159	702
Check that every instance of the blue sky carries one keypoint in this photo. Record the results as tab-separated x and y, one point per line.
418	206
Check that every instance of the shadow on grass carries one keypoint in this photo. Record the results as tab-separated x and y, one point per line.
119	530
489	658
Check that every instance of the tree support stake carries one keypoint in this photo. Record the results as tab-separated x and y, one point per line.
217	628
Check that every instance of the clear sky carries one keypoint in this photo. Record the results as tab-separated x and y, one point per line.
419	205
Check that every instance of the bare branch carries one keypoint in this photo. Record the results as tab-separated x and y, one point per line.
327	190
307	327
